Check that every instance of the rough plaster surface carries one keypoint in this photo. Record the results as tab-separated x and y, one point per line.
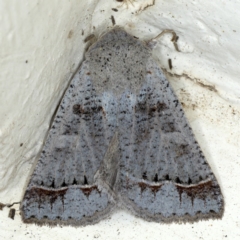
42	45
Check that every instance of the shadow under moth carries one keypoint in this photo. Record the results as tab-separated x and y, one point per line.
120	139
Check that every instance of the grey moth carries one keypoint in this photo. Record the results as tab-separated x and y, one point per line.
120	139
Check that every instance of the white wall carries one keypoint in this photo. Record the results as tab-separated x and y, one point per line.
42	46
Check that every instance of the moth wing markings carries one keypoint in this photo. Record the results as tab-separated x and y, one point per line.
186	188
47	201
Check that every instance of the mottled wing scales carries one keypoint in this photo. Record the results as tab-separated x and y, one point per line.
163	173
64	186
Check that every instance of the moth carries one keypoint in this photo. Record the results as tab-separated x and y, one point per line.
120	139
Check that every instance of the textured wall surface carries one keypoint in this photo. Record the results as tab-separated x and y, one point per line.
42	46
